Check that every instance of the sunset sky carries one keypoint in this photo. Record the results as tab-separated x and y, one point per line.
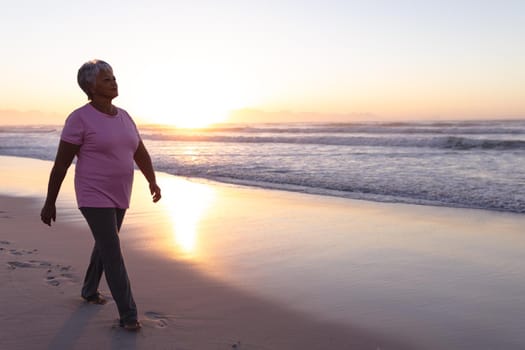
203	61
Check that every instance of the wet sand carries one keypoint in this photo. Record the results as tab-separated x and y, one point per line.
217	266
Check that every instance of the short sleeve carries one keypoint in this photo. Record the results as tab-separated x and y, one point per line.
132	123
73	131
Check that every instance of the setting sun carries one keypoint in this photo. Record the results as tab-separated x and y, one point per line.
194	94
188	109
193	109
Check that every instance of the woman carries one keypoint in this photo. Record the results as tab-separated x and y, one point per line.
106	142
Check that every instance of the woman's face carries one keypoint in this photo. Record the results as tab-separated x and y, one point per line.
105	85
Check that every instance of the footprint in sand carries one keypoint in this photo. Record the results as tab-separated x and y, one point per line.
14	264
55	275
52	281
60	274
22	251
14	251
2	249
156	319
28	264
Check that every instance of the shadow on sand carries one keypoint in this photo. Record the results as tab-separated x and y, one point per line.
71	332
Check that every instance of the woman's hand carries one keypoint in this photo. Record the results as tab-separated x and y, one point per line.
48	213
155	192
65	154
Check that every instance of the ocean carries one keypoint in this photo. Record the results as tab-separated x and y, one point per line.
468	164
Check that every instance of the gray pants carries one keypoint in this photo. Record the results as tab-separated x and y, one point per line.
107	257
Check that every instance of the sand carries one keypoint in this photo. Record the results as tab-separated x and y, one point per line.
217	266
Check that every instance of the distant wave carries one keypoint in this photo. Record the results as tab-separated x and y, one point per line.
450	128
466	143
484	135
442	142
514	127
28	129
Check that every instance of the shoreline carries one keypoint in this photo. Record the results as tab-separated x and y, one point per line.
213	264
301	190
335	193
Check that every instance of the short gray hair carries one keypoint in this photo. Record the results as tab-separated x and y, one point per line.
87	74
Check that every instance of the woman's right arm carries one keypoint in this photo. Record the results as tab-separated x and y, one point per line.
65	154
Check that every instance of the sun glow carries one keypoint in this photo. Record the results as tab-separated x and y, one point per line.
193	112
190	96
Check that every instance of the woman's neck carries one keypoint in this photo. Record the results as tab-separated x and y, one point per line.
104	106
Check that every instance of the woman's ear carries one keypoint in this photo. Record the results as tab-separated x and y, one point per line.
91	90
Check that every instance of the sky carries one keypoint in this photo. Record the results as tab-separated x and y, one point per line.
192	63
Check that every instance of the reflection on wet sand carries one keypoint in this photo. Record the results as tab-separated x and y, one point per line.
187	204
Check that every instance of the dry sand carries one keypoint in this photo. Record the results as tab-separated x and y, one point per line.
216	266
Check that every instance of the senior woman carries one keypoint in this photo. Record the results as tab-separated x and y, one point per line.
106	143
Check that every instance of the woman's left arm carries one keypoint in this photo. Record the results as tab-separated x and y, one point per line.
143	161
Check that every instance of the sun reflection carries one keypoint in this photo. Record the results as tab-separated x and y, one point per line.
186	205
191	152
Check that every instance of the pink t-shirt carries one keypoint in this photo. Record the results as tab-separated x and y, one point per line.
105	165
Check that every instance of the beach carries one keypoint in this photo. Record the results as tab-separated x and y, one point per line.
218	266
